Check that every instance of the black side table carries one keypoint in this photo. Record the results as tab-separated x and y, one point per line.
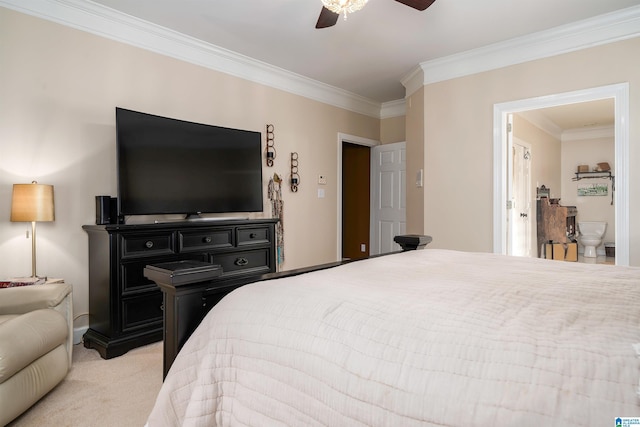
411	242
182	284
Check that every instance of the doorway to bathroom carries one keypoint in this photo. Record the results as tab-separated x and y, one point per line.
619	93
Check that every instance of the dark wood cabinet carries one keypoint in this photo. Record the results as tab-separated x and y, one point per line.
555	223
126	308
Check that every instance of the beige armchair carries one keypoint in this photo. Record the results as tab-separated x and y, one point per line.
36	339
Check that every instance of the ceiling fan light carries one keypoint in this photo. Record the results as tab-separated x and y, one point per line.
344	6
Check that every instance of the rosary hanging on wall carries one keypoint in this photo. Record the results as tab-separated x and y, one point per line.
274	193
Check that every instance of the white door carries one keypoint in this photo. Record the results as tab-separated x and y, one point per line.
521	213
388	196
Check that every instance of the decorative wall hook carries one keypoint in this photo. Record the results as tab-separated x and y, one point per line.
295	178
270	150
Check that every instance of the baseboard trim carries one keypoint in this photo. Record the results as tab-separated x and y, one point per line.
78	333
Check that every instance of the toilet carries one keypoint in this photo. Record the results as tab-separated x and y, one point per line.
591	234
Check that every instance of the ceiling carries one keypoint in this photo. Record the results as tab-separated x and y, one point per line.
370	53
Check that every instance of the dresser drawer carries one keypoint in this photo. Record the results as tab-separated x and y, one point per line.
132	272
253	236
205	239
148	244
144	311
243	262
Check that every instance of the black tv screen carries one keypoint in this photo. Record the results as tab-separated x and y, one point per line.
170	166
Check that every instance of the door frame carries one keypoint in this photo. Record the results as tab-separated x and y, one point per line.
620	93
358	140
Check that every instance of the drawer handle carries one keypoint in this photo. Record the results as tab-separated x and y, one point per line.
241	261
252	235
149	244
207	239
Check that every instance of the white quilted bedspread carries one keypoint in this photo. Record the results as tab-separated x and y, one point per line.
422	338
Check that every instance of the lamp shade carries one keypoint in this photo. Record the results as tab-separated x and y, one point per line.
32	202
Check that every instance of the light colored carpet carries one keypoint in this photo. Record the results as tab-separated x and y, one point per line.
97	392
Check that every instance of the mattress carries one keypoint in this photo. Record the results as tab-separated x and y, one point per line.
420	338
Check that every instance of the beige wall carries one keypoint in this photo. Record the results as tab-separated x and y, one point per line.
415	134
58	91
459	137
392	130
458	165
546	156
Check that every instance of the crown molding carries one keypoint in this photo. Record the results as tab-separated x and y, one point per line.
413	81
539	120
608	28
97	19
100	20
593	132
391	109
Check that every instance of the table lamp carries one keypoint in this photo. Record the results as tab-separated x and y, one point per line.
32	203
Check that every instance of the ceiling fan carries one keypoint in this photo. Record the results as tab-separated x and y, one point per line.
329	18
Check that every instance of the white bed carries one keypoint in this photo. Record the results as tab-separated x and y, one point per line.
428	337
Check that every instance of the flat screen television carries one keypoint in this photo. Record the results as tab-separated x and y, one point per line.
170	166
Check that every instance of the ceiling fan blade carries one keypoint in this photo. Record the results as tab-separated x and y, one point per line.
417	4
327	18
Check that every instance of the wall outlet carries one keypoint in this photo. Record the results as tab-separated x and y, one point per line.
322	180
363	247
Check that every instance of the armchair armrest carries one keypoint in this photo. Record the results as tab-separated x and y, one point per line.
56	296
24	299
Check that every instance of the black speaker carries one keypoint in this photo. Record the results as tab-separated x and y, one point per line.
106	210
113	210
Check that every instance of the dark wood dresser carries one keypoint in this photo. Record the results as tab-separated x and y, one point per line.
126	308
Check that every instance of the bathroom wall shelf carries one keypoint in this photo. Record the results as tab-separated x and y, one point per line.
599	174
